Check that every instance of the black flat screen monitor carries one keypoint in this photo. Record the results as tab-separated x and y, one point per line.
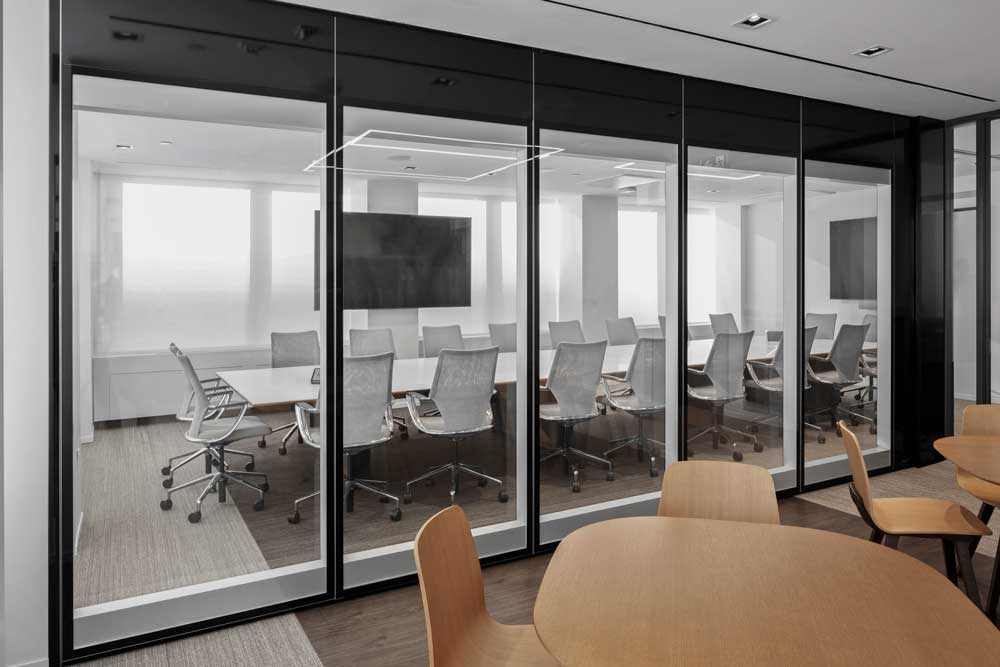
394	260
853	256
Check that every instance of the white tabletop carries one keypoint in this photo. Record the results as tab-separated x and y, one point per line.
276	386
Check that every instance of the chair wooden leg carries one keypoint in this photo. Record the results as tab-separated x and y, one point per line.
993	597
892	541
877	536
950	569
968	574
985	512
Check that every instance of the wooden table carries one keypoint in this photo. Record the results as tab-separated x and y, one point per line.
663	591
978	455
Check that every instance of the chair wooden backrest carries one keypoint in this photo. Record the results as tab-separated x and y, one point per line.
451	584
981	420
859	472
719	490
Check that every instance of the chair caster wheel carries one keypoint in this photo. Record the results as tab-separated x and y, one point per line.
265	487
407	498
502	497
654	473
757	447
249	467
396	515
194	517
168	482
610	477
262	443
576	488
165	470
166	504
282	450
258	505
481	482
294	517
737	456
404	435
821	440
873	429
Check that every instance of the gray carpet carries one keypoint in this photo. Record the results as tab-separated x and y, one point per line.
934	481
273	642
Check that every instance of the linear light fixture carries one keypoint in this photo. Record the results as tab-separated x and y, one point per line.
753	21
436	151
873	51
629	167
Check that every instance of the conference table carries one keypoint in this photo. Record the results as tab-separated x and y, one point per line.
672	591
280	386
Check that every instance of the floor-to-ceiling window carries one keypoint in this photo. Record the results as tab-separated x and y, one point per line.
741	353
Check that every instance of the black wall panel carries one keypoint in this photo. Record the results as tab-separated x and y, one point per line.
720	115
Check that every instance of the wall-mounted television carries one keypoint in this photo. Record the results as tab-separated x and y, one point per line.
853	259
393	260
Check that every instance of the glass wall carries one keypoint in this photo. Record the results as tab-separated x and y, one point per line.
847	282
196	334
432	227
964	286
607	222
994	277
741	291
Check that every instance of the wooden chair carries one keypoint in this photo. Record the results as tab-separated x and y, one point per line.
719	490
460	631
983	420
929	518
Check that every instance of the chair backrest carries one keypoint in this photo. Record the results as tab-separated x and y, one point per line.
366	394
726	360
576	370
981	420
451	584
859	474
448	337
621	331
296	348
808	336
845	355
825	323
647	372
719	490
504	336
663	324
200	403
463	385
871	320
570	331
723	323
365	342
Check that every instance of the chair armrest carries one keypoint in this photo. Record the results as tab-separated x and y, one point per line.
753	373
302	413
413	400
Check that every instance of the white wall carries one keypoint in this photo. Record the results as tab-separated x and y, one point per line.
25	325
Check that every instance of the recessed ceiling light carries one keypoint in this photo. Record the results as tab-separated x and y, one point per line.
410	167
166	142
755	20
873	51
711	191
124	147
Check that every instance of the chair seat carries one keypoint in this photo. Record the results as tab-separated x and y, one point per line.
250	427
833	377
988	492
633	404
436	425
498	645
925	516
552	412
711	393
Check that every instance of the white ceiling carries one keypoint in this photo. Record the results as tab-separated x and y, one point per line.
949	45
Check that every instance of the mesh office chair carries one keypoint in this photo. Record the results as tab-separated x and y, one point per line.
724	374
840	370
213	435
621	331
723	323
825	323
573	381
645	397
461	396
504	336
296	348
570	331
368	423
448	337
770	377
869	369
366	342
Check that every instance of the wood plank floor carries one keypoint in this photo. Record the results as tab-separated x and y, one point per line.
387	629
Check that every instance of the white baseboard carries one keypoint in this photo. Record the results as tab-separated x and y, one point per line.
42	662
86	439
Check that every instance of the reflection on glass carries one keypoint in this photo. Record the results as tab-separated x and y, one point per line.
195	335
603	239
741	396
431	231
963	268
847	264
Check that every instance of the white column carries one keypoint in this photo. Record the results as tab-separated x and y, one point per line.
396	196
600	264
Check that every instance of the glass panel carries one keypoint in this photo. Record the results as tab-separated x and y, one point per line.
994	261
741	305
434	219
963	268
184	237
607	223
847	296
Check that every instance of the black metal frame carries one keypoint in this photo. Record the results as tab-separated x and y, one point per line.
60	445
